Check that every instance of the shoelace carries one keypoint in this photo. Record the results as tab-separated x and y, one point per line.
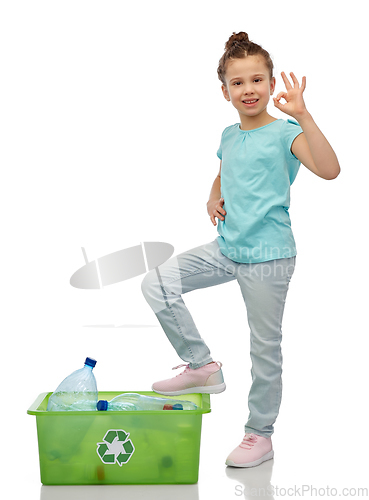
184	371
248	441
188	368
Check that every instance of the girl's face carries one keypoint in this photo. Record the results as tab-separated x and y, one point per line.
248	87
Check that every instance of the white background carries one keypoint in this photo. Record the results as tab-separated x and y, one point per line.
111	116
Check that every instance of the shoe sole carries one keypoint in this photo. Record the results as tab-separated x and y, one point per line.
212	389
264	458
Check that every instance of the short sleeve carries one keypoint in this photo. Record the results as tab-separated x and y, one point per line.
290	130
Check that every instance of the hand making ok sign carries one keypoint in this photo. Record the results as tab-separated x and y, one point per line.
294	105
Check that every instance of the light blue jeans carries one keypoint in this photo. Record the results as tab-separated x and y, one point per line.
264	289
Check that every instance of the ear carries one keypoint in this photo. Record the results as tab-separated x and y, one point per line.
272	86
225	93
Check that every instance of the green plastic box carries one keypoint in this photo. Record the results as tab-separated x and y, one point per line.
115	447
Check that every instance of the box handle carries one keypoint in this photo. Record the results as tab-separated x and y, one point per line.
33	409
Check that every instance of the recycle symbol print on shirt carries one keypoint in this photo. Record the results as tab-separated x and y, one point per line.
116	447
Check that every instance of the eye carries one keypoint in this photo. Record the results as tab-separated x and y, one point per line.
257	80
237	83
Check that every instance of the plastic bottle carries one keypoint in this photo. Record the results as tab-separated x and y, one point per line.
77	392
131	401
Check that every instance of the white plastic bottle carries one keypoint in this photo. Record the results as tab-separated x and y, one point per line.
77	392
131	401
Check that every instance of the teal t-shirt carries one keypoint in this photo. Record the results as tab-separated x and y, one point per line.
258	169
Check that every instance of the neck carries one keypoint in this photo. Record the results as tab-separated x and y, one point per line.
251	122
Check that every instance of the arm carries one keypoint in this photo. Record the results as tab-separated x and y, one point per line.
311	147
215	203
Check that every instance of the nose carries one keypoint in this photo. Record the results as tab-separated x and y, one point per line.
248	90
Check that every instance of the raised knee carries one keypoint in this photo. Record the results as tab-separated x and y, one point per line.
149	284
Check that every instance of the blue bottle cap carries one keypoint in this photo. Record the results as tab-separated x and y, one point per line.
102	405
177	406
90	362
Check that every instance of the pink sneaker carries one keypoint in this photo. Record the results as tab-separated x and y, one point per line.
252	451
207	379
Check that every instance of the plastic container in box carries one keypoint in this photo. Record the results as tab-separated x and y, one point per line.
115	447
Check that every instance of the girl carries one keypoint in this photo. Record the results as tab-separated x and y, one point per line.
259	160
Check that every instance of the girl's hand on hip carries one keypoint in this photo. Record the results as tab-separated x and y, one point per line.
295	105
215	209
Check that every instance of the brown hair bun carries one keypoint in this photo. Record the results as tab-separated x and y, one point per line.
237	39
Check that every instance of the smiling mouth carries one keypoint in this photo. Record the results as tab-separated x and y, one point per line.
248	102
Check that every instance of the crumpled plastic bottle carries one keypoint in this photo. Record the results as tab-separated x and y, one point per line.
77	392
131	401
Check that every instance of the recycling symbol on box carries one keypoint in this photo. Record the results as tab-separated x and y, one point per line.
115	448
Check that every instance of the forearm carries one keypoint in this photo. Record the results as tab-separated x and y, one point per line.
215	190
215	203
323	155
